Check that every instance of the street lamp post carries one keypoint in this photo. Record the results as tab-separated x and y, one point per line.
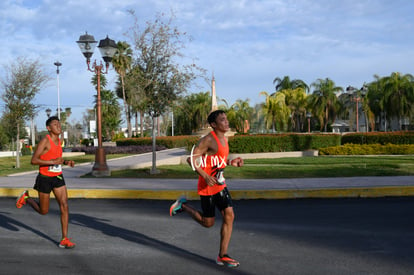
58	64
308	115
48	112
356	98
107	48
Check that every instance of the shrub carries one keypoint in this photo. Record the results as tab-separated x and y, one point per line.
369	149
401	137
26	151
118	149
281	142
168	142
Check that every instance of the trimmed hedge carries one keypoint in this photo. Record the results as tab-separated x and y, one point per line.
369	149
168	142
288	142
118	149
281	142
401	137
248	143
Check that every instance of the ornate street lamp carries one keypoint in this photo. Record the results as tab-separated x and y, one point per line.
355	97
107	48
48	112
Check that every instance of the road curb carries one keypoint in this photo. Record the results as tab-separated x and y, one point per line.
359	192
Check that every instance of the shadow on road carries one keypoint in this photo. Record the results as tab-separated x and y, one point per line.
13	225
139	238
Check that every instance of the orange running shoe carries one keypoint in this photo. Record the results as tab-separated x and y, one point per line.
21	200
66	243
227	261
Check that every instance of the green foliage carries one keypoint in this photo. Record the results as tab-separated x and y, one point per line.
169	142
329	144
87	142
116	136
26	151
369	149
281	142
401	137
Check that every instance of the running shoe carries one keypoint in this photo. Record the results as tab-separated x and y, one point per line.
227	261
21	200
177	206
66	243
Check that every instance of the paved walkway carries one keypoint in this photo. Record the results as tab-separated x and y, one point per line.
170	189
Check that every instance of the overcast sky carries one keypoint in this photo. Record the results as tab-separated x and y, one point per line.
246	44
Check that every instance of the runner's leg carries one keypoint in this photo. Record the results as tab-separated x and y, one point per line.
198	216
226	229
61	196
41	207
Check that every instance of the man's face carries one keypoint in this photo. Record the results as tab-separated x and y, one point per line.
54	127
221	123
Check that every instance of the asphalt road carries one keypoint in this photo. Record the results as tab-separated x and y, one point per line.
307	236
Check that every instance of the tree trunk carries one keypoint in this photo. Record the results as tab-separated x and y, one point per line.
127	112
18	146
154	149
136	123
141	117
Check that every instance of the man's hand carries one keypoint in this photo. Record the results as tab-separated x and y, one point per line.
237	162
70	163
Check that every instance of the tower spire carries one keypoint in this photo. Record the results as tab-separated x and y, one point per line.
213	94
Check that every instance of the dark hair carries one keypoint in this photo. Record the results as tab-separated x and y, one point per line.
213	116
50	119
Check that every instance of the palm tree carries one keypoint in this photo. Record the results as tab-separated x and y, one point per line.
376	99
191	112
296	102
243	113
324	101
122	61
111	112
399	95
285	83
275	110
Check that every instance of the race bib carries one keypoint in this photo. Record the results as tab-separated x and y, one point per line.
220	177
55	168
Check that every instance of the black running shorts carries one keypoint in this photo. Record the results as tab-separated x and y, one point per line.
221	200
46	184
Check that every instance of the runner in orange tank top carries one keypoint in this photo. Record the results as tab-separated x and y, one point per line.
48	156
208	159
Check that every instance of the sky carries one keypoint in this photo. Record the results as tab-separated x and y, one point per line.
245	44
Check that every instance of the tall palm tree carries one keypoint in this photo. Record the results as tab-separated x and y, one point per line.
243	114
296	102
285	83
122	61
275	110
111	112
191	112
376	99
324	100
399	95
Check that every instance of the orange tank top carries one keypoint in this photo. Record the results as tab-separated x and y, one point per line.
213	165
54	152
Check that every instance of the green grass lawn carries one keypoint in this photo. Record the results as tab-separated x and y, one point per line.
322	166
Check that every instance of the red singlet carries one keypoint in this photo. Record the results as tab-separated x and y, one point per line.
54	152
210	164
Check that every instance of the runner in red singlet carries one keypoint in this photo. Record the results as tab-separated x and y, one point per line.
208	159
48	156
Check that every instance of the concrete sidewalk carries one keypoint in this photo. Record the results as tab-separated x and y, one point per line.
170	189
